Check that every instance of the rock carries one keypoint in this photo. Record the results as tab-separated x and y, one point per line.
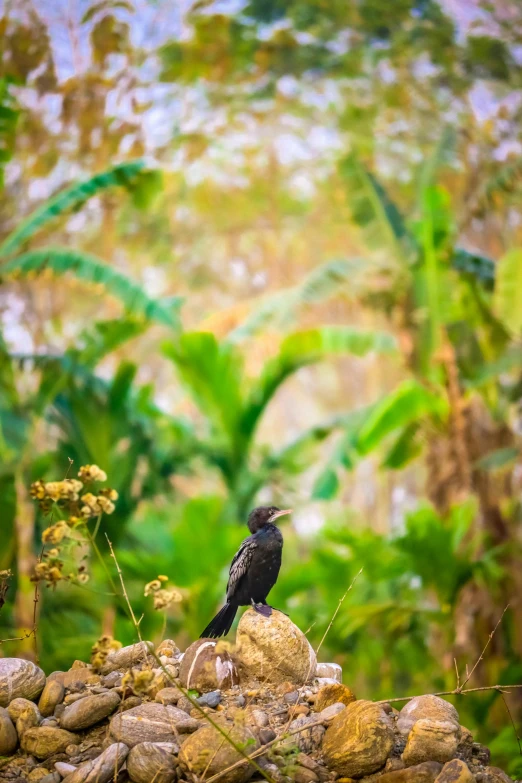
28	719
307	740
127	657
130	702
431	740
206	752
89	711
333	694
303	775
185	704
17	706
331	670
72	697
493	775
44	741
169	648
52	695
455	771
64	769
266	735
207	665
292	697
102	769
75	678
151	723
330	712
359	739
37	774
211	699
432	707
168	696
112	680
8	735
52	777
152	761
19	677
273	649
422	773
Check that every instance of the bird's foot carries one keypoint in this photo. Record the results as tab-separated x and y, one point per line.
262	609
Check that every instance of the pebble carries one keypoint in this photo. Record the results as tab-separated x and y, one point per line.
455	771
126	657
52	777
63	768
168	696
291	698
266	735
19	677
28	719
8	735
112	680
89	711
332	671
240	700
18	706
72	697
211	699
52	695
330	712
37	774
49	722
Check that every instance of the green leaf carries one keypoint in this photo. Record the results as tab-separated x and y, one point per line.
90	269
123	175
307	347
326	485
409	402
404	450
476	265
498	459
507	297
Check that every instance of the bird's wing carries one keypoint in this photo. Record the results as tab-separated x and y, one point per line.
240	564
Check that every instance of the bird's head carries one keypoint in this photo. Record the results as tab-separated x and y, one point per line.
263	515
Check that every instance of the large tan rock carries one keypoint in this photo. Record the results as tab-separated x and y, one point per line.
273	649
431	740
151	723
19	677
359	740
127	657
207	666
45	741
207	752
455	771
432	707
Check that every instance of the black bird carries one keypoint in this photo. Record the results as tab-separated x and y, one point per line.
253	572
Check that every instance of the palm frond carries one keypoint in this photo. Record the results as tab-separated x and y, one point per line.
281	308
307	347
125	175
373	209
88	268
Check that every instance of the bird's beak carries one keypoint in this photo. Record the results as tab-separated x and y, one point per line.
280	514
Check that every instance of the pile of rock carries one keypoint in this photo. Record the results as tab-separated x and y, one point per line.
159	716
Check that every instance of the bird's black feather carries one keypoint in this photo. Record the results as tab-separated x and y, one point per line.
240	564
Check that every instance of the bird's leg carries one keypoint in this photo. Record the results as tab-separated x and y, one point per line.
261	608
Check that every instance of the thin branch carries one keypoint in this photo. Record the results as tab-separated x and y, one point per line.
481	656
136	622
455	692
512	722
341	600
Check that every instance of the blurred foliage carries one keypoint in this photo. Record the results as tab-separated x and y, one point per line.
272	254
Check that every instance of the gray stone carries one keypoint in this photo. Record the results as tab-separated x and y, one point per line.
211	699
8	735
330	712
52	777
152	761
19	677
168	696
63	768
151	723
89	711
101	769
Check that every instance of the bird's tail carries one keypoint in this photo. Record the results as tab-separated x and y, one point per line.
221	623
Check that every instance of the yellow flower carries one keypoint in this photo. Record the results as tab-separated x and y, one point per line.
152	587
55	533
92	473
164	598
37	490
